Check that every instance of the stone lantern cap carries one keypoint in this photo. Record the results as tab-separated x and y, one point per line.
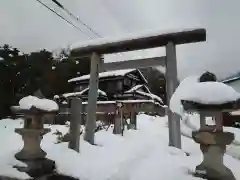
31	105
36	105
214	96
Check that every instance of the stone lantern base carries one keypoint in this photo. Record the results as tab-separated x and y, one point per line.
213	147
32	154
32	140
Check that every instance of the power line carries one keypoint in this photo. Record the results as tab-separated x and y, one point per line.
69	22
76	18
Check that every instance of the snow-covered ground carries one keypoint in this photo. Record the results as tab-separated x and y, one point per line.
138	155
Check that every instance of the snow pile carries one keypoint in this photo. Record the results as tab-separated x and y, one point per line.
205	93
43	104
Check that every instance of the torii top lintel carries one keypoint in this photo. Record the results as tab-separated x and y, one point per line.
138	42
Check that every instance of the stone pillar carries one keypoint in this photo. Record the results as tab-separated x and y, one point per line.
117	124
171	85
213	146
133	120
75	123
92	98
118	119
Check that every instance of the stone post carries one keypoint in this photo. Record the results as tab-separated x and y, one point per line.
133	119
75	123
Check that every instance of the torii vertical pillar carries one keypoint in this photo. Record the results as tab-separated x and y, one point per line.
92	98
171	85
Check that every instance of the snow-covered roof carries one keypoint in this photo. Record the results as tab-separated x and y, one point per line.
149	94
20	53
137	87
127	37
152	96
231	79
108	74
66	95
123	101
235	113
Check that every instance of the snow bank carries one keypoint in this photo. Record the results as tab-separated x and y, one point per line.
43	104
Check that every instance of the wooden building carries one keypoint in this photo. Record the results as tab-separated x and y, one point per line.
129	84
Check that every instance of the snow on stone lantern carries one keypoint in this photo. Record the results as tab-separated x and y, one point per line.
32	133
211	99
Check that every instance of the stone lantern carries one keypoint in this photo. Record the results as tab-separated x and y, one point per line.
212	139
32	133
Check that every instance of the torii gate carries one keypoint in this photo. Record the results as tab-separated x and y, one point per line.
97	48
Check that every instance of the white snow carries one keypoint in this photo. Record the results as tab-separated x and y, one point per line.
66	95
236	113
56	97
211	93
20	53
10	55
123	101
182	89
126	37
137	87
104	74
231	79
138	155
149	94
1	59
205	93
43	104
152	96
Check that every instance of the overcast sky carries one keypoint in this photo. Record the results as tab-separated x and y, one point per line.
29	26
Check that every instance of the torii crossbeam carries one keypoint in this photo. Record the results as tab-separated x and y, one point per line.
96	48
